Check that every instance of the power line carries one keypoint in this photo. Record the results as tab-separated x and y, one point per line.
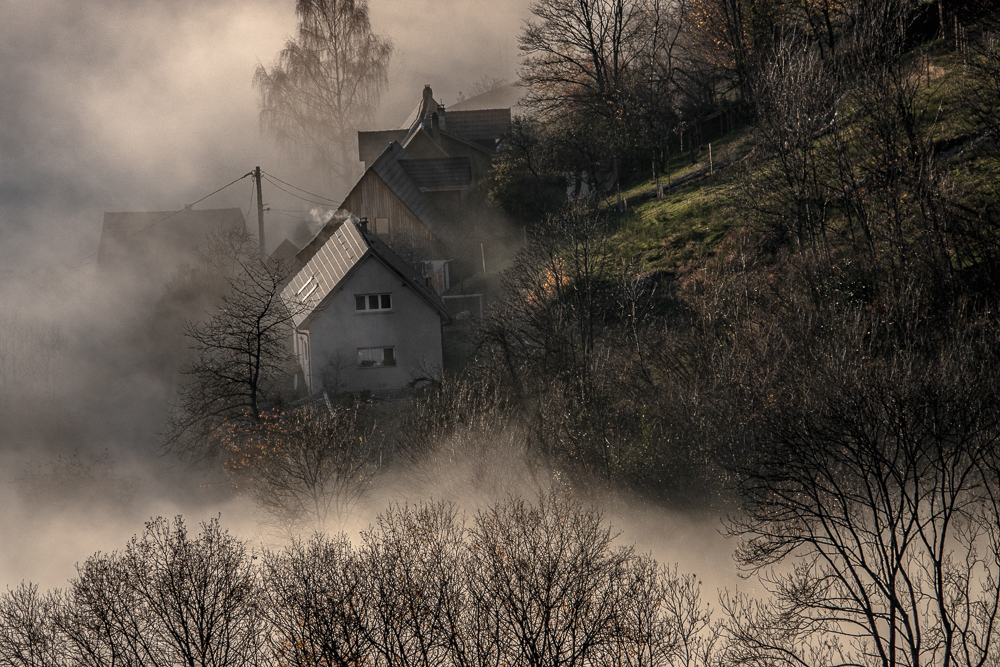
312	194
311	201
186	207
76	263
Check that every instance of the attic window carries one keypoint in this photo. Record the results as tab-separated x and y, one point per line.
375	357
370	302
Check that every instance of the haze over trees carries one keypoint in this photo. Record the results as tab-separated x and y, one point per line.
325	84
813	349
425	586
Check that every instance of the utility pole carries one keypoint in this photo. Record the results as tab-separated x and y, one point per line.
260	215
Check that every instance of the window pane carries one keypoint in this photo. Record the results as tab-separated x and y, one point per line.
373	302
386	301
388	356
359	303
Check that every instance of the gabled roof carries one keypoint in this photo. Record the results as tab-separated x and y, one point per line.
422	130
312	246
345	247
389	169
438	173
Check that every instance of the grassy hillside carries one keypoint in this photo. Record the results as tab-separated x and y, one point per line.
701	209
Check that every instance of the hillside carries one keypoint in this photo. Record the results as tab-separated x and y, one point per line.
663	347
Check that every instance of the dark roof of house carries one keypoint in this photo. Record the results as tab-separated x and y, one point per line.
389	169
482	126
284	255
371	144
422	130
438	173
156	242
346	245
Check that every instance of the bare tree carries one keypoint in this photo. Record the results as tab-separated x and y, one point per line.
166	599
412	557
315	600
581	53
28	635
308	468
325	82
551	571
871	509
241	358
529	584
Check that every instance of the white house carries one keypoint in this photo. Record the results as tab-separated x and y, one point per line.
366	320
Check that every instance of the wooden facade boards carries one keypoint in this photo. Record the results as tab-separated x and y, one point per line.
371	198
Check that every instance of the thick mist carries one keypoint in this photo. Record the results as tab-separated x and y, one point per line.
108	105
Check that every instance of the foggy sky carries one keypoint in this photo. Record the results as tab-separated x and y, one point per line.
110	105
132	105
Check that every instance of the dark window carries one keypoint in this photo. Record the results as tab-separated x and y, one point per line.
369	302
372	357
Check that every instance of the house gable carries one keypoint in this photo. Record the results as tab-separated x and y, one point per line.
395	206
374	349
366	320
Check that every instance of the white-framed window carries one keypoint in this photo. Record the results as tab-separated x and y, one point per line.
369	302
374	357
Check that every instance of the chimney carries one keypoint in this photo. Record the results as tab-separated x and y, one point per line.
363	223
428	102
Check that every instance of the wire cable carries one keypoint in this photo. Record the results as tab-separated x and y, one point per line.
76	263
311	201
311	194
188	206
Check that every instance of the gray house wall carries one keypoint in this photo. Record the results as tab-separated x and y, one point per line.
412	327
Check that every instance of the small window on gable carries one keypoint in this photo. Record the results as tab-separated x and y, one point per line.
382	226
369	302
375	357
